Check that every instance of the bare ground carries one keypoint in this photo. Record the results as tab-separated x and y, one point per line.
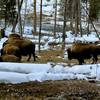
50	90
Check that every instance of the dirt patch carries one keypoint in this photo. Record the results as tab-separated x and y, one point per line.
50	90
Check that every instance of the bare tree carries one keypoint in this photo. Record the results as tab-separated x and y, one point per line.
64	27
40	25
87	17
76	17
79	14
25	14
55	19
35	16
16	19
19	18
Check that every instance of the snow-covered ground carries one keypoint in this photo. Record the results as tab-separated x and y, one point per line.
25	72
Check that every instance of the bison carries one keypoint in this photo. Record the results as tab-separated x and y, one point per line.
12	37
27	47
9	58
11	50
81	51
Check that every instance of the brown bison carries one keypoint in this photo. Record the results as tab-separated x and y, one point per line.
81	51
26	46
11	50
9	58
12	37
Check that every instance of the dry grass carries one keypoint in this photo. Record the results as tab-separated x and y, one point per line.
47	56
55	56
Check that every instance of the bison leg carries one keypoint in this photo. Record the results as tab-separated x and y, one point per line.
81	61
29	57
94	59
34	56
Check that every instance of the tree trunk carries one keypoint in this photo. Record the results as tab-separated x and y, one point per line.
64	23
79	14
25	15
87	19
40	25
76	17
35	17
72	17
55	19
5	18
19	18
16	19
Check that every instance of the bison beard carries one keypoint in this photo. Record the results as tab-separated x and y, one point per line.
81	51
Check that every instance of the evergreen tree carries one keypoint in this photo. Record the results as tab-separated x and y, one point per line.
94	9
8	10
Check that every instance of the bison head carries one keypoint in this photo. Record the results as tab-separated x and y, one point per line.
69	54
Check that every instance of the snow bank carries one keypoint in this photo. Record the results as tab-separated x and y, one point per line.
25	72
12	77
24	67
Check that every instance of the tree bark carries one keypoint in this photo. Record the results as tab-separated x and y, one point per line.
55	19
72	16
35	17
76	17
40	25
64	24
16	19
19	18
25	15
79	14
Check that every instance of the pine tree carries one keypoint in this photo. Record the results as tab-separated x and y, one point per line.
8	10
94	9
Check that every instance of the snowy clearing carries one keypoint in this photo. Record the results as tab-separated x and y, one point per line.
25	72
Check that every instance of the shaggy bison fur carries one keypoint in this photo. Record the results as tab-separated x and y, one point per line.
11	50
26	46
81	51
9	58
